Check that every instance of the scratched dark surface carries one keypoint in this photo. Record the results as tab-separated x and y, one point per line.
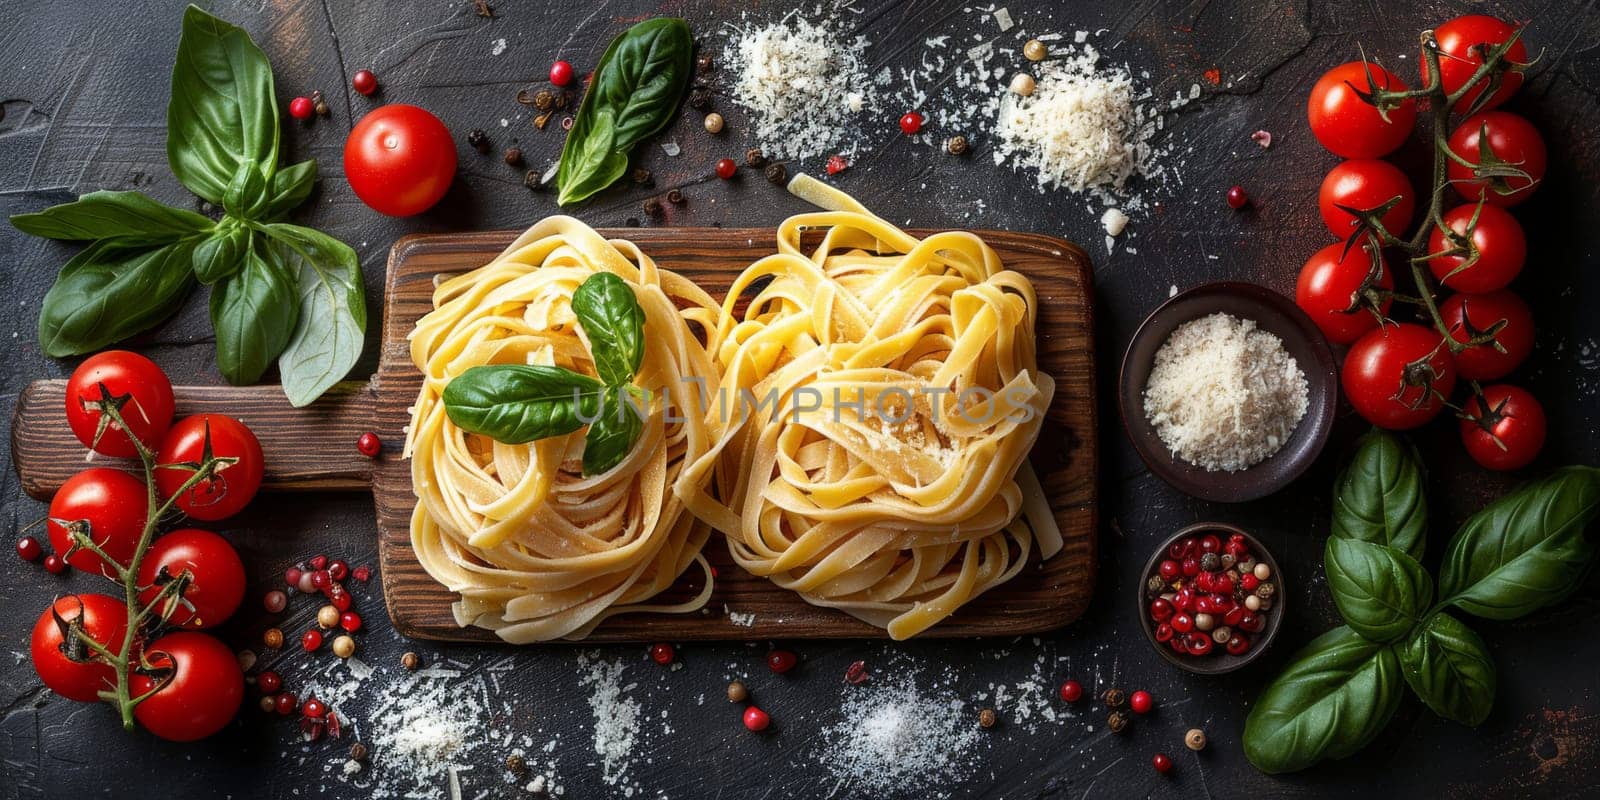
84	86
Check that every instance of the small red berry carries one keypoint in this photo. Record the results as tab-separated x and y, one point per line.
337	570
1237	198
1182	623
1140	702
726	168
1238	644
317	562
369	445
1198	643
338	597
1210	544
856	673
54	564
1161	762
1170	570
1181	549
1160	609
1071	691
1222	584
1184	599
837	164
350	621
275	601
361	573
291	576
1249	582
269	682
364	82
781	661
662	653
1252	623
1163	632
29	549
911	123
302	108
561	73
1234	615
286	703
314	709
320	579
311	640
756	720
1239	549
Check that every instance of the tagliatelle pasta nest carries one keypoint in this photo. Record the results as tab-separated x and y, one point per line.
536	550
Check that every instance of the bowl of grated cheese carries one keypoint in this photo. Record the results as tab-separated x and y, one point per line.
1228	391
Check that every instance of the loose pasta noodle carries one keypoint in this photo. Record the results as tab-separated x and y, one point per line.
536	550
882	395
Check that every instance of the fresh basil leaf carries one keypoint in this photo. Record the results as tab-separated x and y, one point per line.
1449	667
1379	496
1381	592
128	216
222	254
328	338
110	291
253	314
222	113
518	403
634	94
1526	550
246	193
612	436
1334	698
614	324
290	188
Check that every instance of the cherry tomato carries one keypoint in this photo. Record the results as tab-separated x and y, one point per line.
200	683
114	503
1460	41
1365	184
1327	291
1497	237
1385	387
64	663
1465	313
1509	434
1350	126
399	159
225	493
147	410
217	585
1514	141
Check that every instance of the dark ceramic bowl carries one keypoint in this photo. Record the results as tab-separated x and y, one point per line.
1273	313
1218	661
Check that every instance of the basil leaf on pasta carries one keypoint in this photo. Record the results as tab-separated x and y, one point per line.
612	436
614	322
517	403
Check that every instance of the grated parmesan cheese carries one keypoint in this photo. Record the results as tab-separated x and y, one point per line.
802	83
1224	395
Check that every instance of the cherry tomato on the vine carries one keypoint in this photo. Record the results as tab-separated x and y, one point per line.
1509	433
217	577
400	159
146	409
1365	184
1350	126
1514	141
1465	313
1398	376
1327	289
114	503
66	665
1460	42
231	488
1497	237
201	687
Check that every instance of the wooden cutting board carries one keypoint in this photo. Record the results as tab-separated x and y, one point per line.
313	449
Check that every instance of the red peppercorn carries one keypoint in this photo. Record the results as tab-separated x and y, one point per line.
781	661
1237	198
302	108
1249	582
1238	644
369	445
361	573
275	601
1163	632
726	168
269	682
1181	549
1140	702
1222	584
350	621
1202	582
337	570
311	640
1160	609
286	703
1184	599
1161	762
1239	549
321	579
1198	643
1233	615
1252	623
364	82
1210	544
54	564
756	720
856	673
1190	567
317	562
1071	691
1182	623
1179	644
837	164
314	708
1170	570
911	123
29	549
338	597
661	653
1205	605
291	576
561	73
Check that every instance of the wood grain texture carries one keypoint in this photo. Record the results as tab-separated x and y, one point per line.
1040	598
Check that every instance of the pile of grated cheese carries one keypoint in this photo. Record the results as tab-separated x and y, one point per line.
894	737
1224	395
803	83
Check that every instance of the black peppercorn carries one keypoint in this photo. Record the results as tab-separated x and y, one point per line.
478	139
358	752
699	99
516	765
755	158
632	222
1155	586
675	197
1117	721
652	208
642	177
1211	562
704	63
533	179
319	103
1114	698
957	145
777	174
513	156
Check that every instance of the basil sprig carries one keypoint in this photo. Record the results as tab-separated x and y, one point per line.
634	94
1519	554
279	292
520	403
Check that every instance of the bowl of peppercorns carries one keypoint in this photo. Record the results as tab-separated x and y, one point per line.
1211	599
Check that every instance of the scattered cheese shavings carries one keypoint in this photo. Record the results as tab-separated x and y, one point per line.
1262	138
1114	221
802	82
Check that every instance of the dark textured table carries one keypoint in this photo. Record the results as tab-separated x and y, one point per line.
84	86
